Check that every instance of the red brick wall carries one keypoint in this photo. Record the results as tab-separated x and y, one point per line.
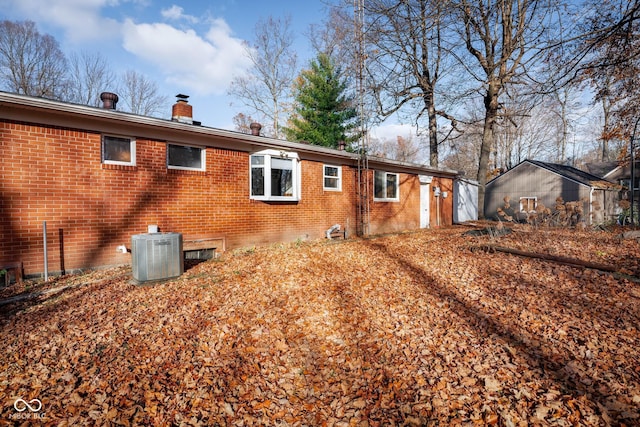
389	217
56	175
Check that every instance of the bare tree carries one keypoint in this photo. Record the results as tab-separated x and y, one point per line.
140	95
462	153
243	122
31	63
604	50
341	37
500	36
610	52
610	131
526	136
266	89
563	104
403	149
89	75
335	38
406	58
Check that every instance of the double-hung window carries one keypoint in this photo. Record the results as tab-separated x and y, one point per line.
332	178
118	150
528	204
386	187
275	176
185	157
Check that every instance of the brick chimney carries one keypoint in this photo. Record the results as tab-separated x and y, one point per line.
182	112
109	100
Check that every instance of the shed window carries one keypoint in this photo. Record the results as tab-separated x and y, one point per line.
332	178
118	150
385	186
274	176
183	157
528	204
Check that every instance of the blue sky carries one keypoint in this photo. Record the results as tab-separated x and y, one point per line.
192	47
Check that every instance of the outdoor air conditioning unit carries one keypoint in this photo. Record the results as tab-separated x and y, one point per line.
156	256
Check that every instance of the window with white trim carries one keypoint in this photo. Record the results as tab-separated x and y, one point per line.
275	176
332	178
386	186
185	157
528	204
118	150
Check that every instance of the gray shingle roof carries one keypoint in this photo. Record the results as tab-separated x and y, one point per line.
575	174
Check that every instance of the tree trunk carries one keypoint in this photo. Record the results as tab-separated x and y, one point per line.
491	113
606	133
433	131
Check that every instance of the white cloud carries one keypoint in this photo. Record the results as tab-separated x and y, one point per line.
176	13
80	20
202	59
205	65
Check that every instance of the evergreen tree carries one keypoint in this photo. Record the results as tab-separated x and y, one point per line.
324	114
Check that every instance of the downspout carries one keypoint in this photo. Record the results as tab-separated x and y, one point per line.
46	257
591	206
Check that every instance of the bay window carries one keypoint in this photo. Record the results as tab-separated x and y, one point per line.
275	176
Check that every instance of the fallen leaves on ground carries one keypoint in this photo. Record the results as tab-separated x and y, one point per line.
409	329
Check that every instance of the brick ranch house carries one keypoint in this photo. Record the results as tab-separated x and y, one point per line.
97	176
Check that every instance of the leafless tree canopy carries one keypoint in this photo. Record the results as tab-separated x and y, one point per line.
89	75
141	95
30	63
611	51
266	90
404	149
242	123
405	59
501	38
496	74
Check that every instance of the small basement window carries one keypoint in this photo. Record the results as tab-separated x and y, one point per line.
332	178
528	204
118	150
275	176
386	187
184	157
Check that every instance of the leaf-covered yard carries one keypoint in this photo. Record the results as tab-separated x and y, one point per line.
410	329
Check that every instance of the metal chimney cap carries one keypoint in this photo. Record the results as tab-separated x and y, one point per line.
255	128
182	97
109	100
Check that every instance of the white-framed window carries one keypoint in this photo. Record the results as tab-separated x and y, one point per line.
185	157
386	186
118	150
332	178
528	204
275	176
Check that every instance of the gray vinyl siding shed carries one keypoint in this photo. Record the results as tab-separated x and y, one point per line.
546	182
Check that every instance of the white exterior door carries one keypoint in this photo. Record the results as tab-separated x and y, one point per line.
425	195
